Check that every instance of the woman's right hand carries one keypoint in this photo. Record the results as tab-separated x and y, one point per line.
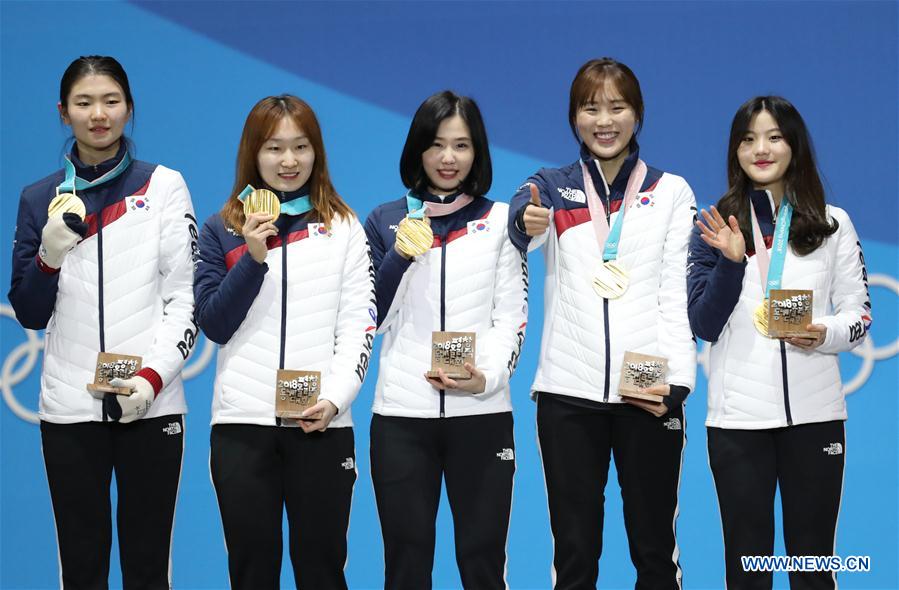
536	216
256	230
726	237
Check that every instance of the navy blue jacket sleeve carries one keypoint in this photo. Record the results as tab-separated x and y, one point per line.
389	266
222	296
714	284
32	291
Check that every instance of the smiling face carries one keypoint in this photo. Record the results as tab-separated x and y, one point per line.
97	112
448	161
764	154
606	124
286	157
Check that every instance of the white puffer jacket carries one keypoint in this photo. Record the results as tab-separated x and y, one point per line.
128	282
471	280
585	336
312	302
757	382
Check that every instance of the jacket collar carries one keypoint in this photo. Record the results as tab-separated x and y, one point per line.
619	185
92	172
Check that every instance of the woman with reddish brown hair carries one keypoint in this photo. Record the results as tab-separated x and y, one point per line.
285	290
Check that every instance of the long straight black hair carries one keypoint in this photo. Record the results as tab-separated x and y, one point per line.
802	183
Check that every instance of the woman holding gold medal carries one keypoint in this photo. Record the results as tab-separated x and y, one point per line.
444	264
615	233
103	261
285	286
776	409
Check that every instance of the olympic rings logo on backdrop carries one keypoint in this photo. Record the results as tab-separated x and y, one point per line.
22	360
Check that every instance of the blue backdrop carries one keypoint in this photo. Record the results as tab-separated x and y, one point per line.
196	68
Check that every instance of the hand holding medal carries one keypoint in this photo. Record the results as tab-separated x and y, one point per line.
414	237
261	208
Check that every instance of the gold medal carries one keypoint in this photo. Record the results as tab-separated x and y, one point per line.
262	201
611	281
760	318
414	237
66	203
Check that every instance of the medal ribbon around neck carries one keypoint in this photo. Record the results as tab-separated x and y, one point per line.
73	182
608	239
771	267
296	206
418	208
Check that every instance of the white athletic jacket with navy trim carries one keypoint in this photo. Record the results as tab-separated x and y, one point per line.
471	280
585	336
757	382
126	287
309	307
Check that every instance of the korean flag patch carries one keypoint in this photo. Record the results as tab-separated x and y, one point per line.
478	226
319	230
139	203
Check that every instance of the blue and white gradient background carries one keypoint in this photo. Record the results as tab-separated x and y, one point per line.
196	68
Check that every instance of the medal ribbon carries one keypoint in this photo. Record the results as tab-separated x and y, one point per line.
608	239
771	267
72	182
296	206
418	208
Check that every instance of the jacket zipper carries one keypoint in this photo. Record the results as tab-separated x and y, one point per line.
783	365
101	322
605	321
284	236
443	311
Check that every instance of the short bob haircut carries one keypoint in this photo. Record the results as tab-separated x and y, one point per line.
592	78
260	124
423	130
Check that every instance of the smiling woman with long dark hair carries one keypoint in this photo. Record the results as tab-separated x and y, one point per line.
776	407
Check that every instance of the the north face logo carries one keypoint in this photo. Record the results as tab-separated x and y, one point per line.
573	194
673	424
834	449
348	464
506	455
172	428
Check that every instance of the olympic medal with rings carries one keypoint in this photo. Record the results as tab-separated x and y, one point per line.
262	201
610	281
414	236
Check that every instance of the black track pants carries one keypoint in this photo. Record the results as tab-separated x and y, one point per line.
80	459
257	470
576	445
476	456
807	462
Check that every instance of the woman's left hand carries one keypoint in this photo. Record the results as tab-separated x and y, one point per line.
474	384
820	331
657	409
319	416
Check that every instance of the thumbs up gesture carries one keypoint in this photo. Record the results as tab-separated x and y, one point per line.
536	216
